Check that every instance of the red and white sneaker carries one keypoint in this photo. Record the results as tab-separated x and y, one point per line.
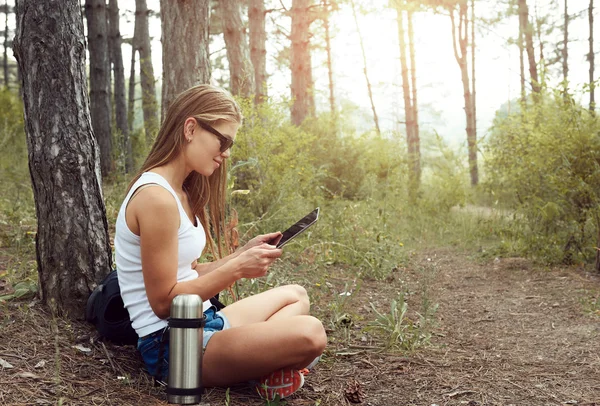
282	382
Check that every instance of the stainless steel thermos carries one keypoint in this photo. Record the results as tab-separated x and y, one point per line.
185	350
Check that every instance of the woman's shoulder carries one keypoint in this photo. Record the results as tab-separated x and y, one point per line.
156	203
154	196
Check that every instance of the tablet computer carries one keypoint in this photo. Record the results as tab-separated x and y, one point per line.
298	228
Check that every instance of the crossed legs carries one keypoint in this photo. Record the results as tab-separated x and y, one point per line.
271	330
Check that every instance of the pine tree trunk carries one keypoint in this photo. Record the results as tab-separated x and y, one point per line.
528	34
258	50
414	104
120	100
408	110
540	38
131	90
591	56
473	92
565	47
460	44
5	60
100	107
185	46
326	11
302	86
364	55
522	62
241	76
72	242
147	79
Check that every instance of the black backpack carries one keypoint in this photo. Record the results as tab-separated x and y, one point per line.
105	310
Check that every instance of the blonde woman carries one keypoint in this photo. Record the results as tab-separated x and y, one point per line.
173	207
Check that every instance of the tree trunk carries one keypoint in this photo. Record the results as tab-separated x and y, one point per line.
131	90
565	47
185	46
100	107
473	92
591	56
413	160
258	50
362	47
147	79
326	11
528	34
72	242
5	60
119	84
460	43
538	26
522	62
241	76
302	86
415	106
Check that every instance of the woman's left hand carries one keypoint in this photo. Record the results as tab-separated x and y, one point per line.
271	238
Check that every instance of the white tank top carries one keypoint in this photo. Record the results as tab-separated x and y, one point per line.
128	258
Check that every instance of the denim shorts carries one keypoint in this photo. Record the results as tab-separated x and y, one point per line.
150	345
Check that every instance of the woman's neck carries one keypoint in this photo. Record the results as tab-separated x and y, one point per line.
174	172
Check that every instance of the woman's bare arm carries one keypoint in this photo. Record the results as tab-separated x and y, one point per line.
158	220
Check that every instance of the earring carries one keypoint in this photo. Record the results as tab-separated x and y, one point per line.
189	140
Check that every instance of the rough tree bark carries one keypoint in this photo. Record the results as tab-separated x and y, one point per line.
100	108
362	47
185	39
591	56
302	85
116	56
241	75
258	49
460	40
147	79
72	242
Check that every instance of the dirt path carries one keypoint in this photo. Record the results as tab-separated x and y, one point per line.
507	334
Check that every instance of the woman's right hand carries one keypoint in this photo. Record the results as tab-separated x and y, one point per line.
255	261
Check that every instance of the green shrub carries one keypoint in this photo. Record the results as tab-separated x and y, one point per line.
544	163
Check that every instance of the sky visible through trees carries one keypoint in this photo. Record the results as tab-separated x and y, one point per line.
438	75
440	90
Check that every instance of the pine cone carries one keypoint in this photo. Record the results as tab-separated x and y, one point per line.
353	392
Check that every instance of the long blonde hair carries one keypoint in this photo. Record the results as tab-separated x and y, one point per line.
208	104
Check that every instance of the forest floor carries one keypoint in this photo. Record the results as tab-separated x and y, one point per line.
506	333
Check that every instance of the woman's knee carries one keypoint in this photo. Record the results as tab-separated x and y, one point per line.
299	294
313	336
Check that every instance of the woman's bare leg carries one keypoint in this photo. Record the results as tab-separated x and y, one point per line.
275	304
253	350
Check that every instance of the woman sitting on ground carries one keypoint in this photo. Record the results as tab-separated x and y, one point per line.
165	224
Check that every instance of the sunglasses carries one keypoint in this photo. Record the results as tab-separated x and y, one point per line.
226	142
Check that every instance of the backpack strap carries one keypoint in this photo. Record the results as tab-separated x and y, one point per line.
216	302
